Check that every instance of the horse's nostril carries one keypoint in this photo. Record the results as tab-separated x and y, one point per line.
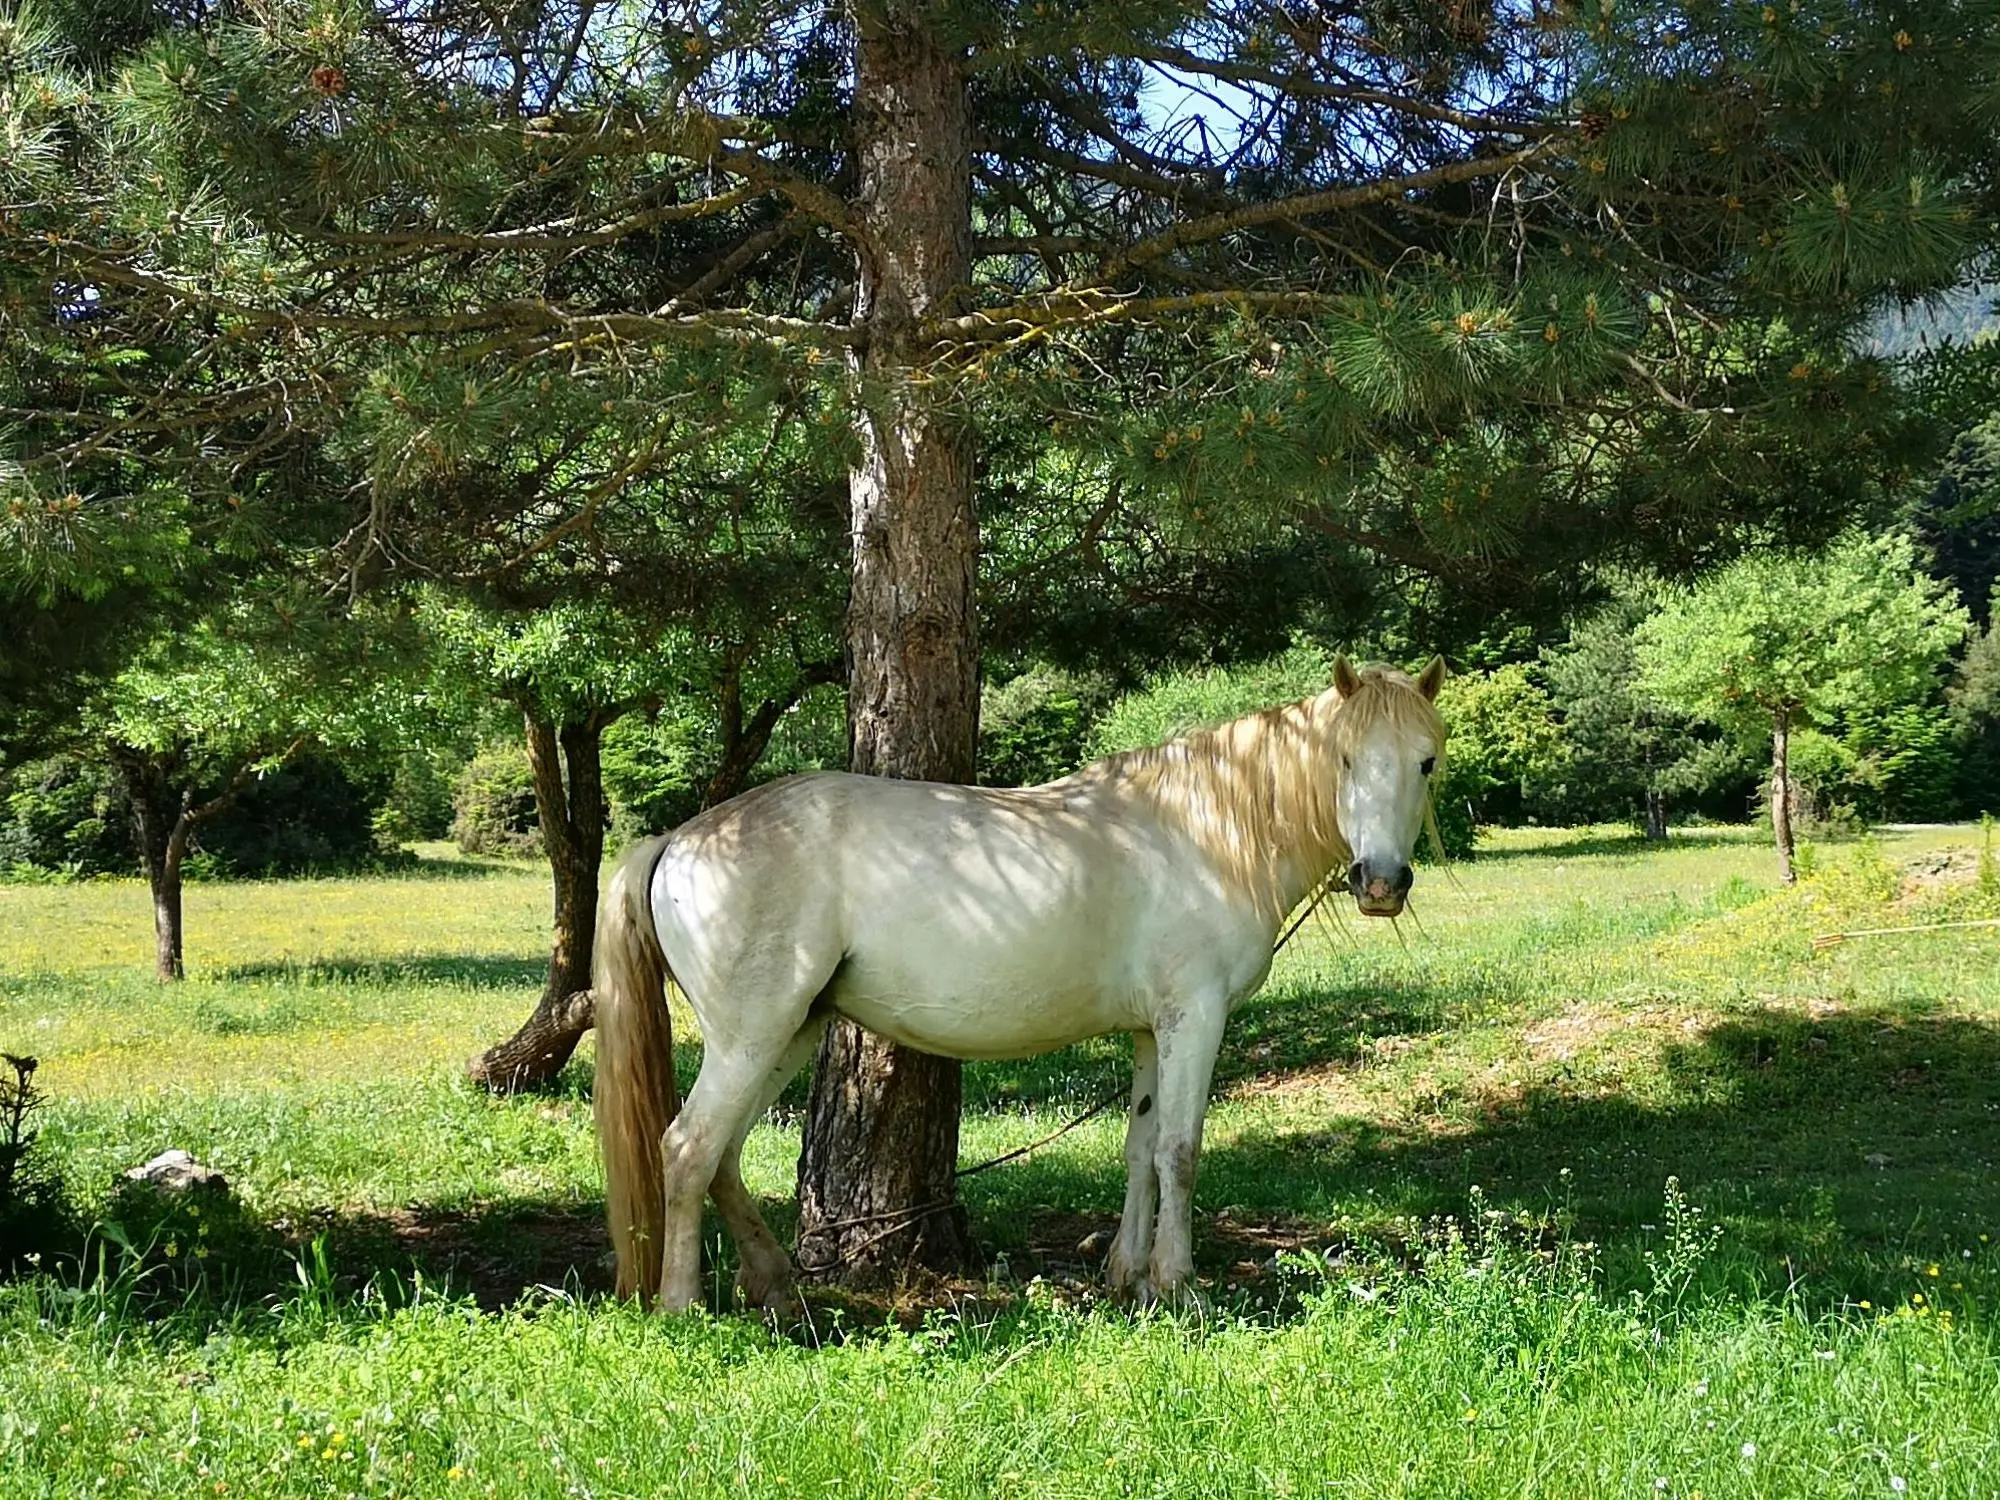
1405	878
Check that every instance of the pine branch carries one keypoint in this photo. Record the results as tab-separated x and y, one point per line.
1023	322
1306	84
559	234
547	325
1332	200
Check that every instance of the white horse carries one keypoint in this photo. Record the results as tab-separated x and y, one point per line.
1141	894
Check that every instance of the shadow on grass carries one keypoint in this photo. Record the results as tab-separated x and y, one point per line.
1843	1153
1840	1152
1625	845
458	970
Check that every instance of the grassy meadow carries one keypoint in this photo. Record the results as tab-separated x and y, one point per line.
1593	1177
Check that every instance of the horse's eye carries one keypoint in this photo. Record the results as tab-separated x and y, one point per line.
1429	765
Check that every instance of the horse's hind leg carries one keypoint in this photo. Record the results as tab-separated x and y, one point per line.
722	1103
764	1271
1134	1243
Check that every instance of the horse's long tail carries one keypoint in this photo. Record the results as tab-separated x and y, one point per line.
635	1095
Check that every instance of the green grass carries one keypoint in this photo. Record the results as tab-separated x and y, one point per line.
1434	1214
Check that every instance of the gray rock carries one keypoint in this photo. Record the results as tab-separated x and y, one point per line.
177	1172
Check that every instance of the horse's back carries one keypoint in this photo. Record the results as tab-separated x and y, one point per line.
968	921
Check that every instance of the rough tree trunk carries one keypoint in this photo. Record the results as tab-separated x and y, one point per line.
569	802
162	824
876	1188
1656	813
1781	791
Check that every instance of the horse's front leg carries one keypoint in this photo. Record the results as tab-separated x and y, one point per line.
1188	1041
1129	1251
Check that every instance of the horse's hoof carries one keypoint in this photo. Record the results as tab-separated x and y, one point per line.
778	1301
1180	1298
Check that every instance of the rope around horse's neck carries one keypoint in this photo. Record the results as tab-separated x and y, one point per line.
899	1219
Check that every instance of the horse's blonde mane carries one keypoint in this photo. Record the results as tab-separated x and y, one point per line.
1261	793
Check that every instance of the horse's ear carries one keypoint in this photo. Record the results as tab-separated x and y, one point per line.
1431	678
1346	680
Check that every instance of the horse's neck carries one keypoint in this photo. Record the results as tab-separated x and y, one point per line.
1307	841
1258	798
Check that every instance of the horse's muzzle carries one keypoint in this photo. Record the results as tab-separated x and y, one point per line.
1379	890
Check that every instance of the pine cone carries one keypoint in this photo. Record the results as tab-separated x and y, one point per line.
1595	124
327	80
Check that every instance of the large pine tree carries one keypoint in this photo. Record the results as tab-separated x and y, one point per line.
1477	291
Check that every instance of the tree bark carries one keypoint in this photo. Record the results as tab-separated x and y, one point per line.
569	802
1781	791
876	1185
1656	813
161	828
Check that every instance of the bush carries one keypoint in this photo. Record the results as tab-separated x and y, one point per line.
1823	772
1184	701
312	816
1975	711
651	775
67	814
1037	727
1909	763
493	803
417	804
1504	740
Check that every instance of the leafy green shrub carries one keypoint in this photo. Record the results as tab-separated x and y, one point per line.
66	813
1036	727
493	803
417	804
1909	762
1975	711
1193	699
652	774
1504	739
1824	773
313	815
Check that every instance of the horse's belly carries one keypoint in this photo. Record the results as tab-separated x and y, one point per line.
959	1000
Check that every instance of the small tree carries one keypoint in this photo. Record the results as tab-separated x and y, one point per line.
1778	641
1629	751
204	709
572	670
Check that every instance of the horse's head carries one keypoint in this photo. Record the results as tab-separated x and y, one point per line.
1391	742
